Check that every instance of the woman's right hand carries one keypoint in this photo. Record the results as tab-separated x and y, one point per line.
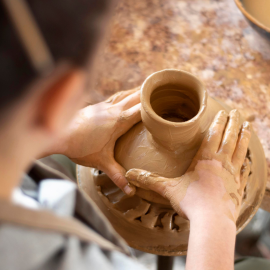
217	176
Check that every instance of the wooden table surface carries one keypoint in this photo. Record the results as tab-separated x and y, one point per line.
209	38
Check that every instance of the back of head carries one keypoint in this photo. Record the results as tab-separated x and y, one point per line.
71	29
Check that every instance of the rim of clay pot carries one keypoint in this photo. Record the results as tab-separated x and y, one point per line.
249	16
146	97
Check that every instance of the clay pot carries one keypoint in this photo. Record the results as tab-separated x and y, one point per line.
176	113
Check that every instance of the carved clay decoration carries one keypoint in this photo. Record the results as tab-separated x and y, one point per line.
176	113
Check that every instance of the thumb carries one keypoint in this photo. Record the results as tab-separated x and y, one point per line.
147	180
117	174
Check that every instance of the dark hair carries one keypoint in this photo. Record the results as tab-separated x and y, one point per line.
71	28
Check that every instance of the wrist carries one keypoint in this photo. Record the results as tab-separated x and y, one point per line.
209	209
58	146
216	217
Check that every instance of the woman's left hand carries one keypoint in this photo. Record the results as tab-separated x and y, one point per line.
91	138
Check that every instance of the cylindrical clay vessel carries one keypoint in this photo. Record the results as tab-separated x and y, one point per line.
176	113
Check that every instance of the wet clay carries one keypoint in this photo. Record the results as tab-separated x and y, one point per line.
165	143
259	9
229	191
218	162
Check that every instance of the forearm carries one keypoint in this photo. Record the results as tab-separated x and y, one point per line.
211	243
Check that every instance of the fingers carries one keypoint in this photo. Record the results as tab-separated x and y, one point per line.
147	180
130	100
117	97
214	135
117	174
128	119
242	145
230	136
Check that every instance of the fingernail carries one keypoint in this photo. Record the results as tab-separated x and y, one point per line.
235	112
222	114
129	190
246	125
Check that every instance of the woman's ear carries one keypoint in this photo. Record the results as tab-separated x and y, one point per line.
59	102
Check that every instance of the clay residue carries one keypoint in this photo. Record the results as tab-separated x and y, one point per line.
139	148
141	212
208	172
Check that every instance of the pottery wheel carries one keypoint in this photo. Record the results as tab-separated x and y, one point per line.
157	228
145	222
